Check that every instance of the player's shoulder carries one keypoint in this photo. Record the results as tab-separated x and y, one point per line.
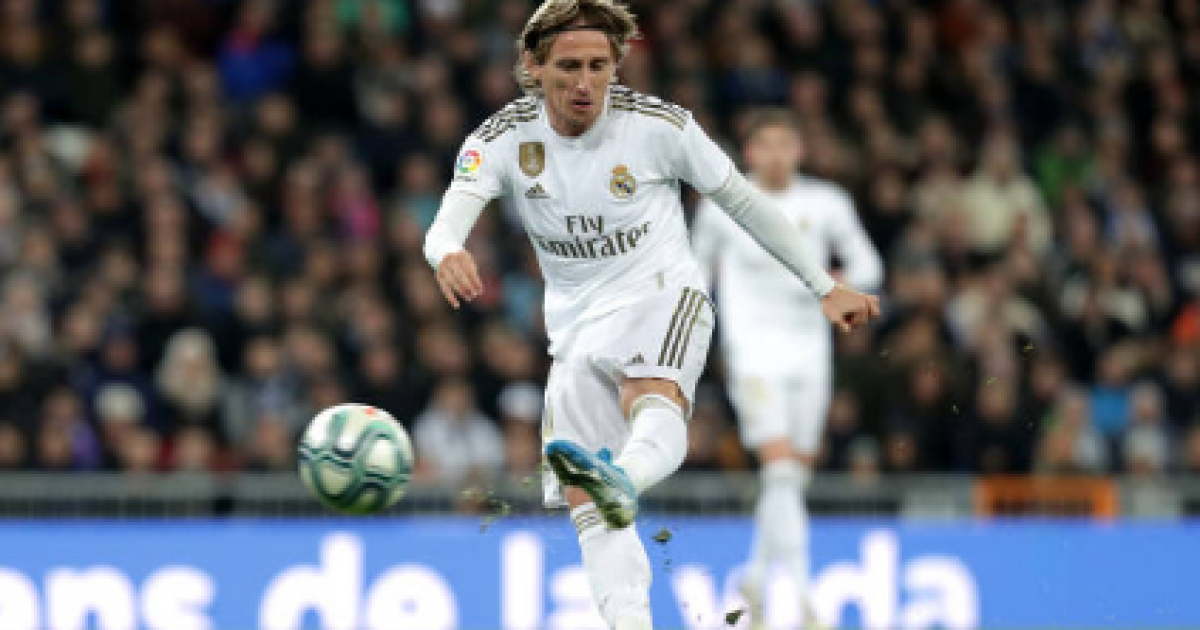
509	119
647	109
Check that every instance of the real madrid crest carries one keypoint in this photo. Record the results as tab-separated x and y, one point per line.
532	156
622	185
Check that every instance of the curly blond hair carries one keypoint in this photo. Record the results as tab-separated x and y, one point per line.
613	18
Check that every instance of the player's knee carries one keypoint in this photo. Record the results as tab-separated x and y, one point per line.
633	389
806	460
775	450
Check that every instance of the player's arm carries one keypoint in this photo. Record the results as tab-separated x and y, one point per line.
863	265
453	265
757	214
701	163
478	178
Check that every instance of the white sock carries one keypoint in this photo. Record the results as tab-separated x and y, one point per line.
657	441
781	526
617	567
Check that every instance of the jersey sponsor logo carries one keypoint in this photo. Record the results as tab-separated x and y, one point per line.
536	192
603	245
469	162
622	185
532	157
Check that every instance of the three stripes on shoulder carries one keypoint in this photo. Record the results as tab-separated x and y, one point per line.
621	98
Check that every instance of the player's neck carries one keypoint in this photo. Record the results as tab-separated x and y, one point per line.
772	182
568	129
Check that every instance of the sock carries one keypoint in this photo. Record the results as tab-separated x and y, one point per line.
617	568
657	441
781	527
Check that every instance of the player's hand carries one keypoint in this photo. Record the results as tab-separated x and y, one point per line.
459	278
848	309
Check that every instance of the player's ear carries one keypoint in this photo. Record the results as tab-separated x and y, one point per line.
532	66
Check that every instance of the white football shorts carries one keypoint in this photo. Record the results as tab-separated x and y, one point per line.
773	407
664	335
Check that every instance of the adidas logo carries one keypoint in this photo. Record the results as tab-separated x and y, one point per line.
536	192
637	359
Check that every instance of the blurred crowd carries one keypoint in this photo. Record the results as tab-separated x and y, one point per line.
211	216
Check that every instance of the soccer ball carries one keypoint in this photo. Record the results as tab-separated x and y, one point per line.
356	458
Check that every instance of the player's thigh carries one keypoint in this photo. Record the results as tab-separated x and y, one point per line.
660	345
808	406
762	410
582	406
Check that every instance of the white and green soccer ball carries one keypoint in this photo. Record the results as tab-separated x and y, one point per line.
356	458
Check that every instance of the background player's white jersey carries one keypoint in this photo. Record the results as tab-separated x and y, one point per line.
771	323
602	210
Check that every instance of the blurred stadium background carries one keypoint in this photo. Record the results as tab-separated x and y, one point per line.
211	214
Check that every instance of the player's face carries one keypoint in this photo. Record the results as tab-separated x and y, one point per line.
575	79
773	154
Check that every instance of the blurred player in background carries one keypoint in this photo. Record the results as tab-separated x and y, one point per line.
776	340
594	169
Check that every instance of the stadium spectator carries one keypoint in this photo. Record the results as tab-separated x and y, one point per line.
1190	452
454	441
995	439
713	444
262	174
253	60
264	389
1070	442
1001	203
1145	446
13	453
190	384
1181	387
272	445
520	407
120	411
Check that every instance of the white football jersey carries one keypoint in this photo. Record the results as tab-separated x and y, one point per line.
771	323
602	210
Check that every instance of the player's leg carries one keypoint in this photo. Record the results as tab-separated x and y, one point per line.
649	420
615	557
655	349
781	521
656	409
616	563
661	360
809	406
762	410
582	408
656	447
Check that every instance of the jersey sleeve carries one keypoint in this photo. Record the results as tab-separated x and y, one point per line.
864	268
698	160
478	170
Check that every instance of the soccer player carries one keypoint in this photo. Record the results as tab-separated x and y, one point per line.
776	340
594	169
